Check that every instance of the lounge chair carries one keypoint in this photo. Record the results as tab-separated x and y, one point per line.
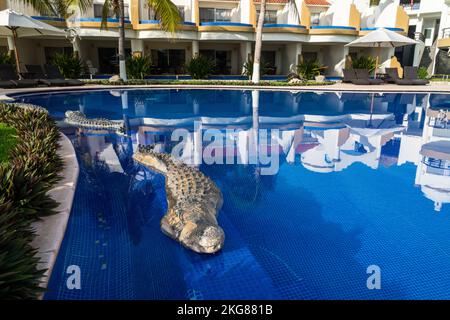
350	77
53	73
36	72
8	74
411	74
364	75
393	77
7	84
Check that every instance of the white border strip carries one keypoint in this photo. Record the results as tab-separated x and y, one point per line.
50	230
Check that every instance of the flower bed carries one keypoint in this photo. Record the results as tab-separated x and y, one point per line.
32	170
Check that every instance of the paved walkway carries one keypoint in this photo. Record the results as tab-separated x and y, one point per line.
438	87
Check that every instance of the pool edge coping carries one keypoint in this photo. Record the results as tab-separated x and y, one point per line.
435	87
50	230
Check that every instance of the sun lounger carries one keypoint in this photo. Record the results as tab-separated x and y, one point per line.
8	74
393	77
350	77
411	74
52	72
363	74
36	72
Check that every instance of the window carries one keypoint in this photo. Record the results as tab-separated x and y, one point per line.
206	14
215	15
168	61
374	3
315	19
428	33
223	15
98	11
269	17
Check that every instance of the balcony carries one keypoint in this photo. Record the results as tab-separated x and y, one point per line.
365	31
444	42
284	27
219	26
155	25
333	30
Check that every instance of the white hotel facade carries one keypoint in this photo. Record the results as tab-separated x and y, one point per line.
225	31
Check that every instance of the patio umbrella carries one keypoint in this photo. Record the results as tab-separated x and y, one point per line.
382	38
17	25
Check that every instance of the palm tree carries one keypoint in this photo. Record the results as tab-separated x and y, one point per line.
59	8
256	77
166	11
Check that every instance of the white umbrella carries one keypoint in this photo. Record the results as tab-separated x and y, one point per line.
382	38
17	25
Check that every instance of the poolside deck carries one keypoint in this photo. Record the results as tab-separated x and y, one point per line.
438	87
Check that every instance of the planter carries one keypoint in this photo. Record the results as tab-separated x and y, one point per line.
320	78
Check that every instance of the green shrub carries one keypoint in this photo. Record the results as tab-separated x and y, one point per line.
6	58
309	69
7	141
19	276
248	68
368	63
24	184
422	73
138	67
200	67
70	66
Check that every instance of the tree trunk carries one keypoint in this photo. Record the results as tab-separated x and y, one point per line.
258	44
122	64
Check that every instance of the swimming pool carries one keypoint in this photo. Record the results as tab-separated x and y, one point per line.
351	191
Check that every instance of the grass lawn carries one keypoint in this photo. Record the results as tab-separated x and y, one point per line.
7	141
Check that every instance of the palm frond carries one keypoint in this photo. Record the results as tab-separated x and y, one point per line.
167	12
83	5
105	13
44	7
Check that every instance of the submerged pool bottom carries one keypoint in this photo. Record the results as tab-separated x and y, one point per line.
352	192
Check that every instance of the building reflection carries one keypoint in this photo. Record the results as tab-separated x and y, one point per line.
374	130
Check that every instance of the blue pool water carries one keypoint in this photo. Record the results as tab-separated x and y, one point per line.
351	191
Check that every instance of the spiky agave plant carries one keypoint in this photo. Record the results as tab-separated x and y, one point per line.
138	67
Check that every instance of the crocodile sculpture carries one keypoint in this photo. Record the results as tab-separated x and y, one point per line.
78	119
193	202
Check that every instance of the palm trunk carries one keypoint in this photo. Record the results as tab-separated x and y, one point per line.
122	64
258	44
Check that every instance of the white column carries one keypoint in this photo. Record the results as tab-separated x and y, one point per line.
334	59
195	48
246	51
293	52
418	48
137	46
10	43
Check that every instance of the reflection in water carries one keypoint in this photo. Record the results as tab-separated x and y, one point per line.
310	231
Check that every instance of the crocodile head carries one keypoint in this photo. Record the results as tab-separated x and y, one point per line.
201	232
202	238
